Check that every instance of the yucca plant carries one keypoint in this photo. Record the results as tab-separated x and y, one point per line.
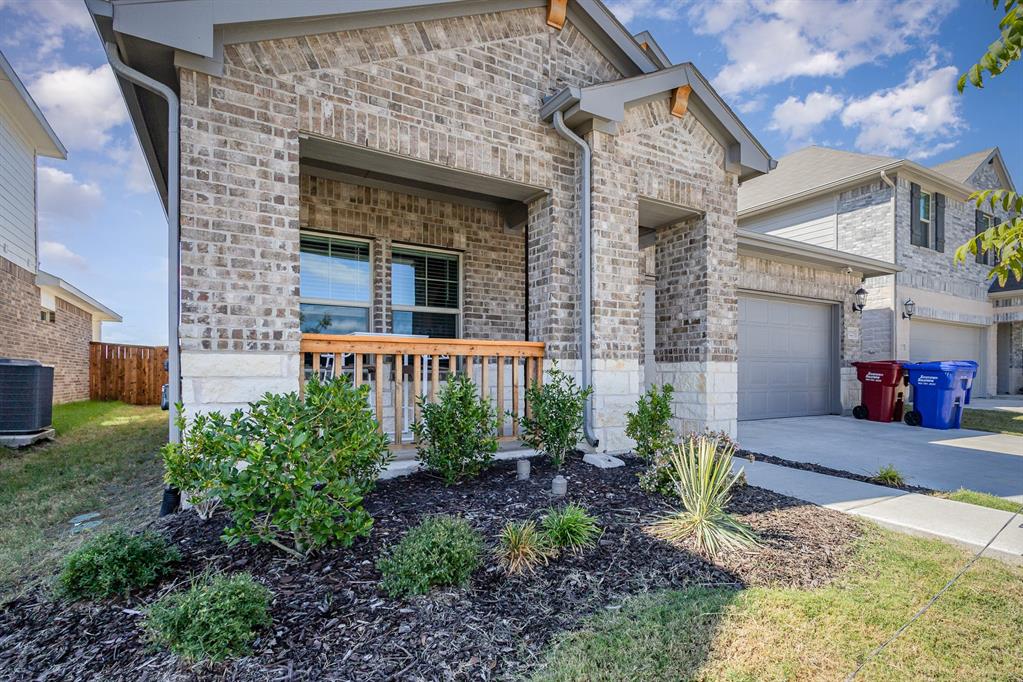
522	547
571	528
701	472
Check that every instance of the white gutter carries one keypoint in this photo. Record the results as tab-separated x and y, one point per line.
585	344
173	228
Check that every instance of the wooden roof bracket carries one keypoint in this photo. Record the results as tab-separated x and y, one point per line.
680	100
556	10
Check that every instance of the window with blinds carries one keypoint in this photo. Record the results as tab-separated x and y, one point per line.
425	293
335	285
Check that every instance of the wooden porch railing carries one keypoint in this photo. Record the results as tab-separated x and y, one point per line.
400	369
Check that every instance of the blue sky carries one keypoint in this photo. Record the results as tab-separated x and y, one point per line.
871	76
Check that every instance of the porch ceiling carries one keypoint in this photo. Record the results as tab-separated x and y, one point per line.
371	166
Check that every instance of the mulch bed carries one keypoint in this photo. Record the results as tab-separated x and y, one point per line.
840	473
332	622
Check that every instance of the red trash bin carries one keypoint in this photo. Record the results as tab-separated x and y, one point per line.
880	399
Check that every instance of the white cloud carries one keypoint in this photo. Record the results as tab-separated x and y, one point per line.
129	158
918	118
771	41
63	198
798	118
56	254
46	23
82	104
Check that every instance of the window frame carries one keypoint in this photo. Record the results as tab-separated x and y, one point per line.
343	303
414	249
929	220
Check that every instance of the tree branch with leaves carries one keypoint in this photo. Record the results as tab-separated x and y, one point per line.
1003	239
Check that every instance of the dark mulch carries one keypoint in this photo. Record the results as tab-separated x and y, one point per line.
820	469
332	622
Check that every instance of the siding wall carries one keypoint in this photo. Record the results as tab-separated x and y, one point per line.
811	221
17	196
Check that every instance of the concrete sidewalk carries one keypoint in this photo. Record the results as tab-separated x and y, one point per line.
967	525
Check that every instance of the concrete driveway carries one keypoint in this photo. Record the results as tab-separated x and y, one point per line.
942	460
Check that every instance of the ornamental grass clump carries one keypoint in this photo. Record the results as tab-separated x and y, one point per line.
457	435
890	476
659	476
521	547
570	528
115	563
701	473
292	471
650	424
555	424
216	618
440	551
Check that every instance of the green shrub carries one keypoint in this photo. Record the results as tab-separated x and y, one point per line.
890	476
522	547
571	528
213	619
650	424
457	435
659	475
193	466
115	563
442	550
555	425
701	472
291	471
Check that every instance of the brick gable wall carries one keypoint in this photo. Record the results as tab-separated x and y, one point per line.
63	343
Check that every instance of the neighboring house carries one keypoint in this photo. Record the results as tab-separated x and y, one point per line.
401	168
42	317
898	210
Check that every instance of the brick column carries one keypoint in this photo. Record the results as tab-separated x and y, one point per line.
616	296
697	318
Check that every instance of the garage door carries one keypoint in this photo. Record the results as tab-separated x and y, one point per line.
786	359
941	341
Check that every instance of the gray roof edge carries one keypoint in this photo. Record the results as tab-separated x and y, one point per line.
58	150
996	153
609	99
773	246
853	179
653	46
46	279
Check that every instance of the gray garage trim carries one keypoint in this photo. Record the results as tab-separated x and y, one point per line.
787	401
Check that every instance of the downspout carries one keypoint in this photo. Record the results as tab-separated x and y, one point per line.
895	276
585	344
173	236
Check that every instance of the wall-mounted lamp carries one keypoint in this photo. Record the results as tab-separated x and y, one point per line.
860	300
908	308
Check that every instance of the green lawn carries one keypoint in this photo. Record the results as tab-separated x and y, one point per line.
105	459
981	499
998	421
975	632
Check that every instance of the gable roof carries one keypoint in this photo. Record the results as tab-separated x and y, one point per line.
963	168
814	171
805	170
26	113
607	102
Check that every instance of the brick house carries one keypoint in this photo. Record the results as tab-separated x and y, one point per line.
915	216
42	317
398	189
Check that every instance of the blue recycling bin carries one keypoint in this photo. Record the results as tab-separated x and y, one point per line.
940	389
969	383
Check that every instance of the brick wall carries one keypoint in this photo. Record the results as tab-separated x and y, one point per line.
462	93
63	343
493	256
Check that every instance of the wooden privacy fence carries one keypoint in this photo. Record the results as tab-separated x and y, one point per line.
398	369
131	374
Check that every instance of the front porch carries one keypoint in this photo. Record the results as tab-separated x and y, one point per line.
399	370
